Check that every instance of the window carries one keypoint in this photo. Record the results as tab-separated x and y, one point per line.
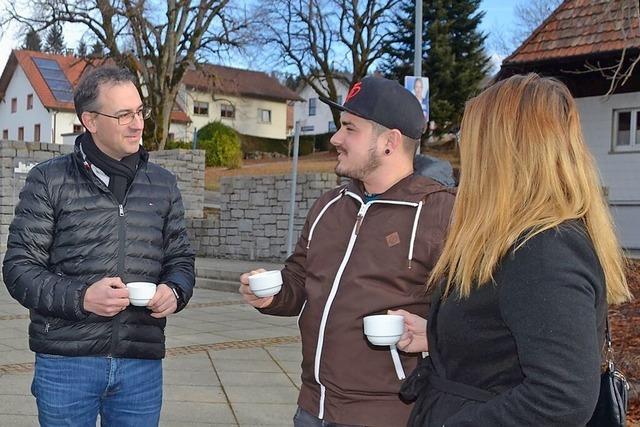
201	108
20	134
36	133
313	102
331	126
626	135
228	111
14	105
30	101
171	136
264	116
77	129
5	134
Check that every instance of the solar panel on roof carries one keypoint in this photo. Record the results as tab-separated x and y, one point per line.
55	79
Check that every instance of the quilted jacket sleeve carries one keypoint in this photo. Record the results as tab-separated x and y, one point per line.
26	264
179	258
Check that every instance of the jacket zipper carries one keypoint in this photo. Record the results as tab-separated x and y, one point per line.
121	239
327	306
336	282
121	235
121	245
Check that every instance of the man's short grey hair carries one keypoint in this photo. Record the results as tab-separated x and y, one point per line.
410	145
85	97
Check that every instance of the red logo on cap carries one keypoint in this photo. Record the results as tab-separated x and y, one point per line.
354	91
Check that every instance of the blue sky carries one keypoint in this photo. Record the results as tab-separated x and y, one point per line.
499	15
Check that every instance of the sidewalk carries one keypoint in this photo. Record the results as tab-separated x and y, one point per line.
226	365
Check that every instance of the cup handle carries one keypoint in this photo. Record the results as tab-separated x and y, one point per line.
396	362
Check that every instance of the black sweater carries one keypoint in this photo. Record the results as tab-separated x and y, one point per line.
533	340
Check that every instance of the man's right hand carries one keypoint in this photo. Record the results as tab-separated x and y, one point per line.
248	295
106	297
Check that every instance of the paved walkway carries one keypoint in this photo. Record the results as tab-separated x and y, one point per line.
226	365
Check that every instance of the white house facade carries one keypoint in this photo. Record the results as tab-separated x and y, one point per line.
314	115
577	36
611	127
23	117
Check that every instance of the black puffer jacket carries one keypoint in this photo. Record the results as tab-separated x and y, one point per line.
69	232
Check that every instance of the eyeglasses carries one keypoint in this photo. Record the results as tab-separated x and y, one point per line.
126	118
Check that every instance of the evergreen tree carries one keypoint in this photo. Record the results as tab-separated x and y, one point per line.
81	50
453	55
55	40
97	50
32	41
398	59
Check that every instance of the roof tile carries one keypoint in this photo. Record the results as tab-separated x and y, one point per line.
582	27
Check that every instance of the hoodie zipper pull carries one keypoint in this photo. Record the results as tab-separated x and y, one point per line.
121	210
360	217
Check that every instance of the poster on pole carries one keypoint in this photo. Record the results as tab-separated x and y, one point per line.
419	86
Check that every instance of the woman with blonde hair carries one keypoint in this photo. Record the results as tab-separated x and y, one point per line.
516	327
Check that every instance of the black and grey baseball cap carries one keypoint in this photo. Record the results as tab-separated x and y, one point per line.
384	102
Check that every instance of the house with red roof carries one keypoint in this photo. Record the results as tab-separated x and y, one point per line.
36	97
252	102
36	100
584	43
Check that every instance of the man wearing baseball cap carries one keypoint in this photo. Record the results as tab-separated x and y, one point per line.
366	248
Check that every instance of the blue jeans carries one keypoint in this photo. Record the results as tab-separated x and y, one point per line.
72	391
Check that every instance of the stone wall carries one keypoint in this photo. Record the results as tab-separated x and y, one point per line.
254	214
17	158
188	167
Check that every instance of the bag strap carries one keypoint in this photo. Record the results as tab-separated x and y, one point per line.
609	350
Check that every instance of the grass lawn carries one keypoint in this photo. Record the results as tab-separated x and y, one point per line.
317	162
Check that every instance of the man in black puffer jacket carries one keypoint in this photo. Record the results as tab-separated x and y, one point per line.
88	223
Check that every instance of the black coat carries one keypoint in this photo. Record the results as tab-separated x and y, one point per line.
524	351
69	232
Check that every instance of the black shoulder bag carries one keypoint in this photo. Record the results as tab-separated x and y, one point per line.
611	409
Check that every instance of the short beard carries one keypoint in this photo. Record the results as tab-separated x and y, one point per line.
373	162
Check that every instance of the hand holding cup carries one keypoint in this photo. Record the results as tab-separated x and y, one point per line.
259	286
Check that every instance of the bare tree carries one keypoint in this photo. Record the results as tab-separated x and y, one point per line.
157	40
528	15
626	16
326	41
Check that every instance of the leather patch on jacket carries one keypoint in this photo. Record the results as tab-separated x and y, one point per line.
393	239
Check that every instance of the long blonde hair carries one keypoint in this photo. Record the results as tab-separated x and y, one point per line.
524	169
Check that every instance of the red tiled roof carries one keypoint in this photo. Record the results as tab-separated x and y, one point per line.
237	82
179	116
581	28
72	67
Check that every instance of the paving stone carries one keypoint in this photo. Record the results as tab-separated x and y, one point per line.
184	393
190	378
188	412
261	394
254	379
250	414
246	366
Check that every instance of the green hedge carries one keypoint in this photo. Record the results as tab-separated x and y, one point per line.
221	144
173	144
308	144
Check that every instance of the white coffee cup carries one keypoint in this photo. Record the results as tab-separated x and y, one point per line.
140	293
384	329
266	284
